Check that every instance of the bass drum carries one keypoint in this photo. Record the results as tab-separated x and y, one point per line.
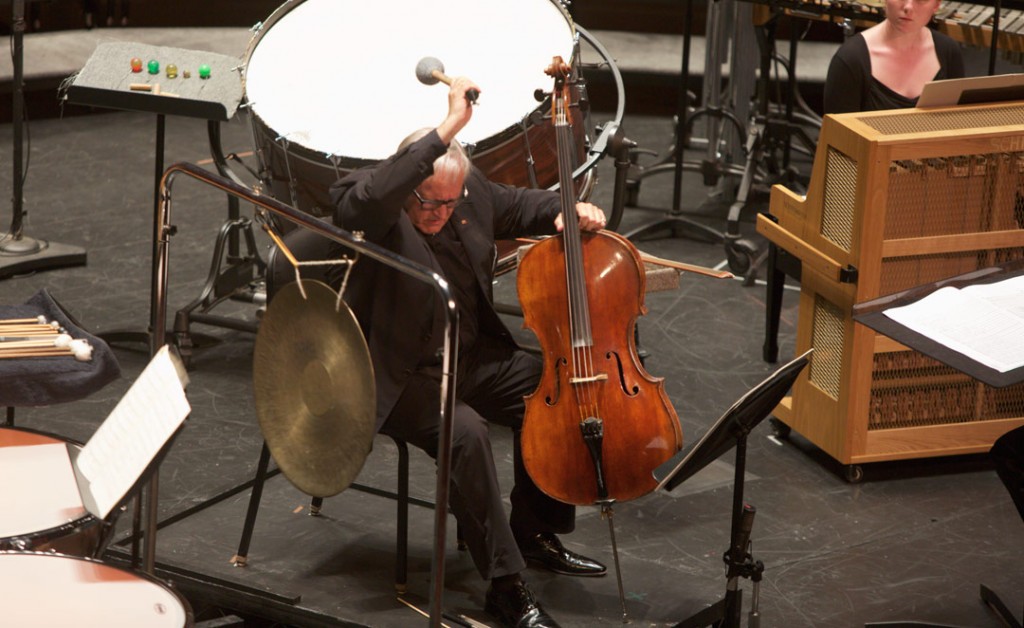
331	86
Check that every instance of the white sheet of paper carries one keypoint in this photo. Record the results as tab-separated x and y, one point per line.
131	436
984	322
39	491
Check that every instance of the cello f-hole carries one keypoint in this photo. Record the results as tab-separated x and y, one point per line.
559	363
630	391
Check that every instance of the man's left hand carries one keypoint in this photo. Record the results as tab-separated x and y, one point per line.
591	217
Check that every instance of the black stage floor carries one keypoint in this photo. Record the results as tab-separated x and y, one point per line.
911	542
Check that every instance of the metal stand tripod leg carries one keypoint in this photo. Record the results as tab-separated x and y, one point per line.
726	612
674	221
241	557
997	606
742	253
234	280
722	128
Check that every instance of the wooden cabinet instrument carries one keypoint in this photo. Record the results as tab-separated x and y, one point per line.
898	199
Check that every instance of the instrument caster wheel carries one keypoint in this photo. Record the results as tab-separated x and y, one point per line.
779	429
741	254
853	473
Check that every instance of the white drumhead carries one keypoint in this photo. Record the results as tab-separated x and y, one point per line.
41	492
49	590
339	76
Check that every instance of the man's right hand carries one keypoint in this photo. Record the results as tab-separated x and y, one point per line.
459	109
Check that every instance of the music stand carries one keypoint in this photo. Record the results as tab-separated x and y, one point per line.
872	314
730	431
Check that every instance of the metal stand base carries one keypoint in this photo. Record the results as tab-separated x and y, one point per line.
401	496
27	255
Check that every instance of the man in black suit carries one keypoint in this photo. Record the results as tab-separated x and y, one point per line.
427	203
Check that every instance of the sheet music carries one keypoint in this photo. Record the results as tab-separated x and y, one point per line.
131	436
984	322
39	490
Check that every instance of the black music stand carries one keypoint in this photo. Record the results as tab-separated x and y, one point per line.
106	81
872	314
20	254
732	430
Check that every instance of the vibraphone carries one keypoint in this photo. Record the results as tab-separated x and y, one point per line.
967	22
973	24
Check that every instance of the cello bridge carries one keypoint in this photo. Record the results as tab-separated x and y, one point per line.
600	377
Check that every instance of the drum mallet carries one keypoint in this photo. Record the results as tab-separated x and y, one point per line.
430	70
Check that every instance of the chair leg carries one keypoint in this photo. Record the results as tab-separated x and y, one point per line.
241	558
402	542
315	505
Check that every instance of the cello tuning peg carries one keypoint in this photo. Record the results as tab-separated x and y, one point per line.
539	94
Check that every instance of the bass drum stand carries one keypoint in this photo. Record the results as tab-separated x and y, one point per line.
232	276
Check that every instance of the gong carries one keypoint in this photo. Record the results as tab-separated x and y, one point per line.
313	388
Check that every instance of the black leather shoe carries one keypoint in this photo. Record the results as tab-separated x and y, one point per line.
517	608
545	550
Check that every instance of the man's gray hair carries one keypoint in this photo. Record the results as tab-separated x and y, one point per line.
454	162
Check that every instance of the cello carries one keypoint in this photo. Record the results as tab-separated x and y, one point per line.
598	423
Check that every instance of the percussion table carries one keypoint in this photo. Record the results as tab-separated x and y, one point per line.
107	81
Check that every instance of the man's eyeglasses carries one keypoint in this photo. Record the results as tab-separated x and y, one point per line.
430	204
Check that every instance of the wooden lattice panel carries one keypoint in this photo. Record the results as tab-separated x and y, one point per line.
826	366
839	207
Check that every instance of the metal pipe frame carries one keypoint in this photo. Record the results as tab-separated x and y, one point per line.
158	321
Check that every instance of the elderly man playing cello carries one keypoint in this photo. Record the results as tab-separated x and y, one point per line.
427	203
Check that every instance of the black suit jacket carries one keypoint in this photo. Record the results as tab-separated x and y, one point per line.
400	316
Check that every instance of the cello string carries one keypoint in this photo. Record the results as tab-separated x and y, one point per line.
582	333
570	253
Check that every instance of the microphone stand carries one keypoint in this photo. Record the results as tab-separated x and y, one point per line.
20	254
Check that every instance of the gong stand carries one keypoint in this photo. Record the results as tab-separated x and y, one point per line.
158	318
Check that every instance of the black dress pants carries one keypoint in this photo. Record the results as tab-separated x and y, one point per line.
490	385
